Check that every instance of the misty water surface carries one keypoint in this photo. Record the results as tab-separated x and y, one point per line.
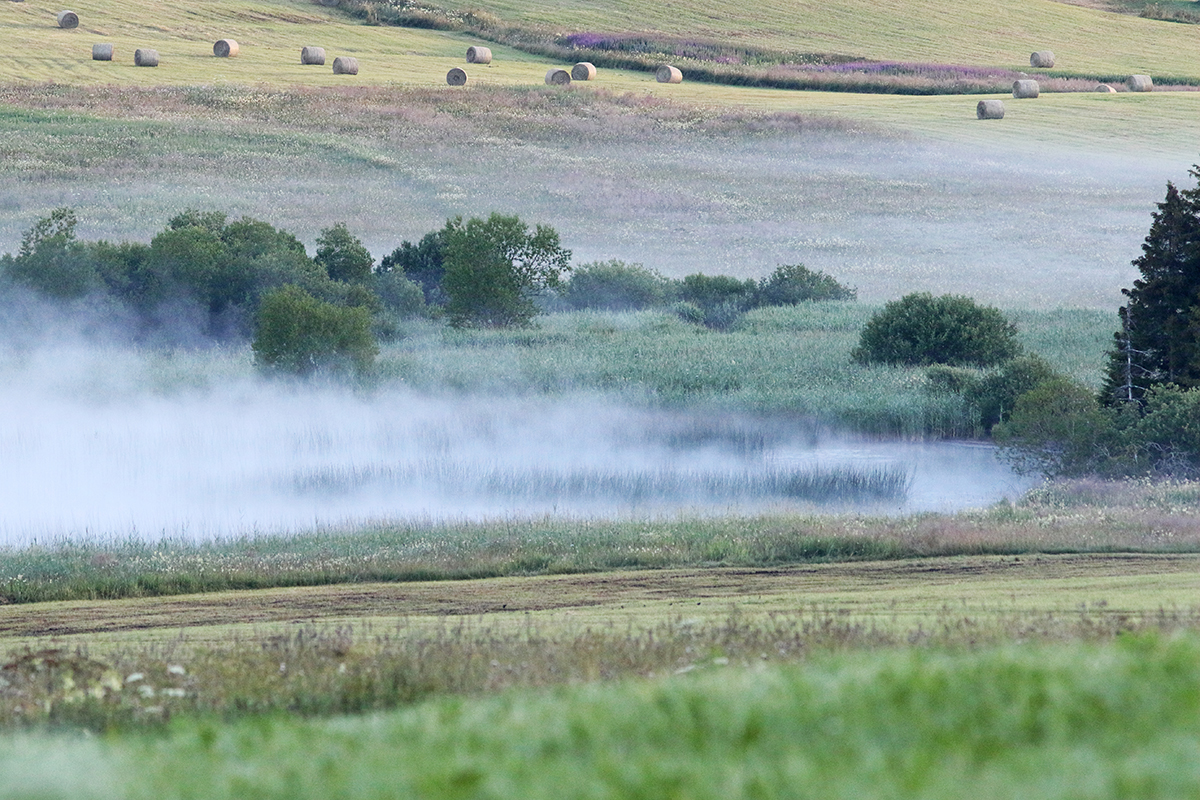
107	442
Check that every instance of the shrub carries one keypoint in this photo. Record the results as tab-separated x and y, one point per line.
300	334
688	312
1059	429
795	283
709	291
616	286
399	295
920	329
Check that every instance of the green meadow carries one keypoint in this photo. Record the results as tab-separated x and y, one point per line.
1044	647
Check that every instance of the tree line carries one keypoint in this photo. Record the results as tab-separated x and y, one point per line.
246	280
1145	420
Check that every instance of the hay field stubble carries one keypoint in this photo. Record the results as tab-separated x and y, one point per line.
888	193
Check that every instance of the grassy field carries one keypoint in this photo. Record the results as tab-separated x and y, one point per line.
1081	719
271	34
1046	648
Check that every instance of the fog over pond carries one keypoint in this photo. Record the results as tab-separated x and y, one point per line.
101	442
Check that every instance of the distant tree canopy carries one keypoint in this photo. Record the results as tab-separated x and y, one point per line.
1159	338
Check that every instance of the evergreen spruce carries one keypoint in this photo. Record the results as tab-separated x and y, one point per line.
1159	340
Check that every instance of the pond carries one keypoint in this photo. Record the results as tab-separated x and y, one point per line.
269	457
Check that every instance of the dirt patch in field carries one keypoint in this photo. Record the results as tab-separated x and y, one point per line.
826	583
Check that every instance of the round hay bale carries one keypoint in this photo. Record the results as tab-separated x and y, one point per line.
345	65
1042	59
225	48
479	55
583	71
1106	89
668	74
68	19
102	52
990	109
456	77
144	57
1140	83
312	55
1025	89
556	76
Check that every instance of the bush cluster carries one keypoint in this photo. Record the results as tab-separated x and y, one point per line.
717	301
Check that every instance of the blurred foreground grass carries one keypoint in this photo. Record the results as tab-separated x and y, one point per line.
1112	719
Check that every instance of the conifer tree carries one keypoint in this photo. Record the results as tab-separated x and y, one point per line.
1159	339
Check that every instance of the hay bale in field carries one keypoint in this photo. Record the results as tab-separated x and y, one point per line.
143	57
102	52
1025	89
1106	89
1042	59
990	109
312	55
556	76
668	74
456	77
225	48
68	19
1140	83
479	55
583	71
345	65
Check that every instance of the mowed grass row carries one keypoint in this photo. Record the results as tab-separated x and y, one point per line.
1113	720
329	650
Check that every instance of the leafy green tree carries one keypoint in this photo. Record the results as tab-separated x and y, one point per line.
495	268
422	264
226	267
1159	340
920	329
301	334
343	255
51	260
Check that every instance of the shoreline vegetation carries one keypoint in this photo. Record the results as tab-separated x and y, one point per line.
1079	516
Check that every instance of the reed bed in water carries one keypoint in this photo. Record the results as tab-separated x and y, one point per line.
654	486
1074	517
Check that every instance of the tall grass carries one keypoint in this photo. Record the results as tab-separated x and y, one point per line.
1061	518
1113	720
793	360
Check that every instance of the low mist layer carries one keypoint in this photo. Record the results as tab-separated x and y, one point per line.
103	442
